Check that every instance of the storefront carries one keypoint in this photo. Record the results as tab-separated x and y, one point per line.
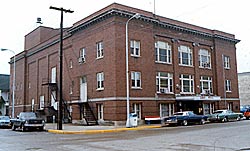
201	105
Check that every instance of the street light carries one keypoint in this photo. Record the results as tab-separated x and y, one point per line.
13	82
127	72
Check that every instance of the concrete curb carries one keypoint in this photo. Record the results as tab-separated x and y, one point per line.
101	130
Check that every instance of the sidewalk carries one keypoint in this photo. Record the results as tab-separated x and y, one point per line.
79	129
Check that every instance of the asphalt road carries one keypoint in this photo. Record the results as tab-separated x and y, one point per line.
231	136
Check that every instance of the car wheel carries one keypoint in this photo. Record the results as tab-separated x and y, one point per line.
184	123
224	120
23	128
202	122
13	127
238	118
41	128
247	118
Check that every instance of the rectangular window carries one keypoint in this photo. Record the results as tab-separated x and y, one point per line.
206	85
164	82
137	110
53	98
82	55
100	81
99	50
135	48
163	52
187	83
41	102
204	58
228	86
226	62
100	111
136	79
185	56
166	109
53	75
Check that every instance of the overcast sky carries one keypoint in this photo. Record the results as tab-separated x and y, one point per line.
18	18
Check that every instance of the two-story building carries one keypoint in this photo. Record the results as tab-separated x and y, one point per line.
173	66
4	94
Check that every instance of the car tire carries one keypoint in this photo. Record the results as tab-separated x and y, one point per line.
23	128
41	128
13	127
185	123
202	122
224	120
238	118
247	118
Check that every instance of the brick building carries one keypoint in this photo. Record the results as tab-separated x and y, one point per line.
173	66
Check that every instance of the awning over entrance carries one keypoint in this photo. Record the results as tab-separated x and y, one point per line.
198	98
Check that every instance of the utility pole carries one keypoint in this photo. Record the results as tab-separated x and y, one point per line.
60	115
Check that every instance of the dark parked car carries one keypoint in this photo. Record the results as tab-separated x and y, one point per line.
4	121
184	118
26	121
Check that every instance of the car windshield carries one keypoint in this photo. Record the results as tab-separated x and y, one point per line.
4	118
28	115
178	113
217	112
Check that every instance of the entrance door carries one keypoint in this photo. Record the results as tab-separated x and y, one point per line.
83	89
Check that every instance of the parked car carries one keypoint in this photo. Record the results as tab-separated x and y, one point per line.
26	121
247	114
224	116
184	118
243	108
5	121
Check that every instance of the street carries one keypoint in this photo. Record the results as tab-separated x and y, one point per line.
231	136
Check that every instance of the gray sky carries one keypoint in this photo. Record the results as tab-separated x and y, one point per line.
18	18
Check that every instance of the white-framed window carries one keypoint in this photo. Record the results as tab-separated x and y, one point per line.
204	58
41	104
135	48
163	53
228	85
226	62
100	111
230	106
164	82
70	63
99	50
32	104
82	56
136	79
206	85
53	75
100	80
71	87
53	98
137	110
187	83
166	109
185	55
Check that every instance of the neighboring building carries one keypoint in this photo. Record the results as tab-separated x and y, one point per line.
4	94
244	88
173	66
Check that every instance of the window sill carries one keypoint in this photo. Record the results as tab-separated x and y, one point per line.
99	89
160	62
136	88
165	93
135	56
99	58
183	65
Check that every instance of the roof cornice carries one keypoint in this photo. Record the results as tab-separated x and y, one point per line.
153	20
